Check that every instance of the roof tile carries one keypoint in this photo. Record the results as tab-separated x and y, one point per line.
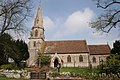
66	46
99	49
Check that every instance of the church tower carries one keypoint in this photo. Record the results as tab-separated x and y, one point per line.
36	40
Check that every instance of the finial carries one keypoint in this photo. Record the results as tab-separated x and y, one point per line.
40	4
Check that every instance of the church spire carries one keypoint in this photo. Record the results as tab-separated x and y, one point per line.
38	20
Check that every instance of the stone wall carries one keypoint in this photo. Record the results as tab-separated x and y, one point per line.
82	76
62	58
16	73
99	58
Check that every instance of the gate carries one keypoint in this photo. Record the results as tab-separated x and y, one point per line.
38	75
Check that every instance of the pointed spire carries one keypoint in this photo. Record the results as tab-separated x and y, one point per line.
40	3
38	20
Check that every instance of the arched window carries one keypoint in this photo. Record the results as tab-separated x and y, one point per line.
80	58
68	58
94	60
36	33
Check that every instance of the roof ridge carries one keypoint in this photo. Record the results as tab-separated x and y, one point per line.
99	45
65	40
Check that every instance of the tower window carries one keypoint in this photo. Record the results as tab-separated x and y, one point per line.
80	58
34	44
68	58
94	60
36	33
37	21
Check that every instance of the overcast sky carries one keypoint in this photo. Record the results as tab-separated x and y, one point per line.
69	20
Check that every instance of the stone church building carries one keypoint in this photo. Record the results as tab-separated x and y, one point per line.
68	53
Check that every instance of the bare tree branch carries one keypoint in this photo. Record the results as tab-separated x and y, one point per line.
110	18
13	13
107	5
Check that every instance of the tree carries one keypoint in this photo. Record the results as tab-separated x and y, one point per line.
116	47
110	18
23	51
112	64
13	14
9	48
3	57
45	60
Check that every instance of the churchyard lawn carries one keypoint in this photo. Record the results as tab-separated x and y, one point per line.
79	70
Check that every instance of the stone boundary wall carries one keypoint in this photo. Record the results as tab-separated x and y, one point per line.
16	73
82	76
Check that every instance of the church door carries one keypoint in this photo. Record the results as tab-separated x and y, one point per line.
56	62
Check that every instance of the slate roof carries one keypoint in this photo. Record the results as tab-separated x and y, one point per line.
99	49
66	46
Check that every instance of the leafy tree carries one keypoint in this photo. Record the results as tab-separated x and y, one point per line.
23	51
112	64
116	47
13	14
110	18
45	60
3	57
17	50
8	48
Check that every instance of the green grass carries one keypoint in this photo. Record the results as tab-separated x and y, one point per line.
28	69
77	70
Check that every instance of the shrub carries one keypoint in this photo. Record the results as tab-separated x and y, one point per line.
6	66
45	60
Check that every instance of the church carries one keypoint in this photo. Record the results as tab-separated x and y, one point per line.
67	53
